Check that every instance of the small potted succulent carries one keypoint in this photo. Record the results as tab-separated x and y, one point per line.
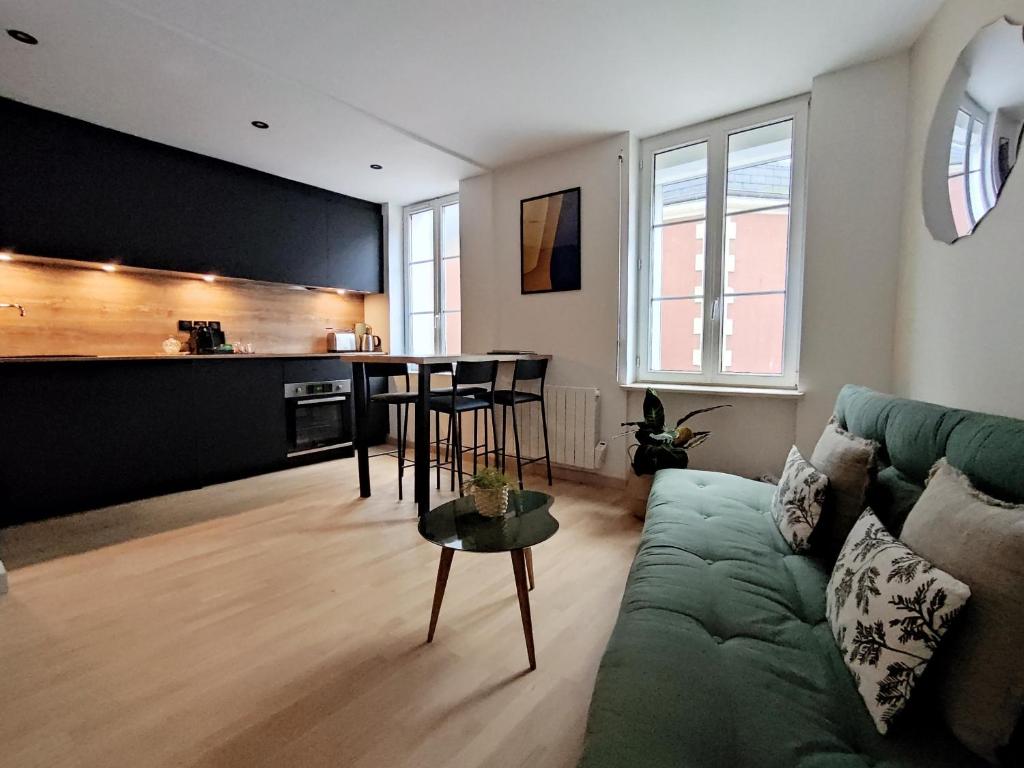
489	489
659	448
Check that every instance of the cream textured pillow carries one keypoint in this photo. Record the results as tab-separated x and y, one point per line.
850	463
888	609
980	541
798	501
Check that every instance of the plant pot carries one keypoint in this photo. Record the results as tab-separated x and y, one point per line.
490	502
638	488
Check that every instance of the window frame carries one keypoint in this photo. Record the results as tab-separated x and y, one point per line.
716	133
437	206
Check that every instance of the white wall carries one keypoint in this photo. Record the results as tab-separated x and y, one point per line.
855	191
751	439
476	244
852	242
854	213
579	328
960	317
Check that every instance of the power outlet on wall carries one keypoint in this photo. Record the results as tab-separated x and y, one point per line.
185	325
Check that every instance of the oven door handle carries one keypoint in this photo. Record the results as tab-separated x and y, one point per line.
318	400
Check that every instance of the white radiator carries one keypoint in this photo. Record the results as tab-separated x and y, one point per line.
573	414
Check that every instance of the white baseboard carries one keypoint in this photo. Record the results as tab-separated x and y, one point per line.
567	473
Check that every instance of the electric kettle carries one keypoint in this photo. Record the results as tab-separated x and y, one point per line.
368	342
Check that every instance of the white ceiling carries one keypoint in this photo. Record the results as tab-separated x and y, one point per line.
435	90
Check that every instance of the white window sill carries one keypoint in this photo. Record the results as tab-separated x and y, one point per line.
713	389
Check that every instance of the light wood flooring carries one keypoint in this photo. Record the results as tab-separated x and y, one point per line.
281	621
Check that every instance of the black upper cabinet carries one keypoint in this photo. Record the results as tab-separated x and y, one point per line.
354	252
74	190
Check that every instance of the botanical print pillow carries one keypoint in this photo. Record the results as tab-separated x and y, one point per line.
798	500
888	609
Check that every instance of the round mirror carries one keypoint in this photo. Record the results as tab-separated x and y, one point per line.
976	134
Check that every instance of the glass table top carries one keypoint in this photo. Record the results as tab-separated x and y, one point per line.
457	524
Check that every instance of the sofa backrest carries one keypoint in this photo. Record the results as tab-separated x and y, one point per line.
914	435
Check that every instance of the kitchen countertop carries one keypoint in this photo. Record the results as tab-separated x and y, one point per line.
262	356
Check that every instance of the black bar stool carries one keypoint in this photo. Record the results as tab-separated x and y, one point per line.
465	395
401	401
525	371
466	390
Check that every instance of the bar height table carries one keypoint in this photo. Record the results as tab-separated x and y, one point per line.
421	452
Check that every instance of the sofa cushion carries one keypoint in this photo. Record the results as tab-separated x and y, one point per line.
850	462
980	541
798	501
721	655
889	608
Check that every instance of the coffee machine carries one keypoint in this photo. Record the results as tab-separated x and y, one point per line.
205	338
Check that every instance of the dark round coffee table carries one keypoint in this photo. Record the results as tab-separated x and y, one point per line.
457	525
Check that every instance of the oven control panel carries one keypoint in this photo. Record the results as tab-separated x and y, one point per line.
318	388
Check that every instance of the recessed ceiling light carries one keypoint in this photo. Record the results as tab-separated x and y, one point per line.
377	166
341	291
5	256
23	37
109	268
209	278
260	124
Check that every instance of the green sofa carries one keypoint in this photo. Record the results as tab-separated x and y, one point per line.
721	655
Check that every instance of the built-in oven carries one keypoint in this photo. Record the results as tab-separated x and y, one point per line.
319	416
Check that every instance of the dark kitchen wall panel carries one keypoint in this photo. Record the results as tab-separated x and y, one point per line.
75	190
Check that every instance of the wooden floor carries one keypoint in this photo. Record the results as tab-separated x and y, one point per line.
281	621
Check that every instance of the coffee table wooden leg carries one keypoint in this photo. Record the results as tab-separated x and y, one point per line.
443	569
522	589
529	566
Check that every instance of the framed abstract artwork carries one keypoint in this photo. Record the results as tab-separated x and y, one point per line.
549	242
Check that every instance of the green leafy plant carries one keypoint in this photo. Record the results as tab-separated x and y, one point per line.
660	448
488	479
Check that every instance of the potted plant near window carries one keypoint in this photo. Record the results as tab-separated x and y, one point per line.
489	489
659	448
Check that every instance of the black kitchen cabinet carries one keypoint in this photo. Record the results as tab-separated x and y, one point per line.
75	190
354	253
85	435
240	412
301	370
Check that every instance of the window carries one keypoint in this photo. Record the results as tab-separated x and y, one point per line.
432	299
970	177
721	251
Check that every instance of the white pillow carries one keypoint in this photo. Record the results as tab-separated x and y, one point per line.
888	609
798	501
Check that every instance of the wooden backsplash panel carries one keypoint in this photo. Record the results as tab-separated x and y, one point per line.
84	310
